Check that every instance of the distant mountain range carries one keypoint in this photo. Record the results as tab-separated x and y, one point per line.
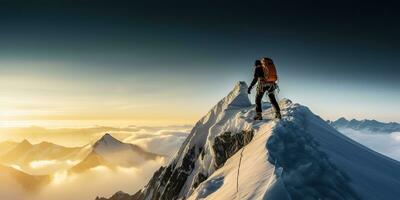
32	166
27	155
366	125
46	158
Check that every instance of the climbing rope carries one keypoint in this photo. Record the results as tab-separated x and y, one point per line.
238	173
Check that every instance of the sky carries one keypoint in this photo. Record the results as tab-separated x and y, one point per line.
124	62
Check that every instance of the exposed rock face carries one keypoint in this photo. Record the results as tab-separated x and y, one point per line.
228	144
200	177
174	180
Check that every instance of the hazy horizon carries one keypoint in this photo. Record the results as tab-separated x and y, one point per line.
170	63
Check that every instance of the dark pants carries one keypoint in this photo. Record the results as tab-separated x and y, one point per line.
260	93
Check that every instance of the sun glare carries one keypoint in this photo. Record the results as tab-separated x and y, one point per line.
60	176
17	167
99	168
41	163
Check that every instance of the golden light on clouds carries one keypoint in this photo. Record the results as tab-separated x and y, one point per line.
21	106
40	96
41	163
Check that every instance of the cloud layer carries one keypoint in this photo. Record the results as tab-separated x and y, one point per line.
74	137
163	142
387	144
98	181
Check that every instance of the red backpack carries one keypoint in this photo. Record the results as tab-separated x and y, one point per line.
270	75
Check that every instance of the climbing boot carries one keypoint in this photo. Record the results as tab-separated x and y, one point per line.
258	116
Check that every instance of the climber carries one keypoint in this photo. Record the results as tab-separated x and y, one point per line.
265	74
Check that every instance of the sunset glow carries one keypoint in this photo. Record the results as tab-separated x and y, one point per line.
210	100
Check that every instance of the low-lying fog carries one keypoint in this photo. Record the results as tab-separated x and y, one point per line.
99	181
387	144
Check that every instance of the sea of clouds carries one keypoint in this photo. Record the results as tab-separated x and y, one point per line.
99	181
387	144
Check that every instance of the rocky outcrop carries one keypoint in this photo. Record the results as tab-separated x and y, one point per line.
228	144
200	177
175	179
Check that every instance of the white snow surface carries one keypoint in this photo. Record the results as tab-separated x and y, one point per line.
255	176
297	157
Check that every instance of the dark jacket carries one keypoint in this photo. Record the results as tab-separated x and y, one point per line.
258	73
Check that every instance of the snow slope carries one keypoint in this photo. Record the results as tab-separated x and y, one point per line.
250	181
303	157
298	157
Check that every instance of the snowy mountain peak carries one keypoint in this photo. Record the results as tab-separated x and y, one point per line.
228	155
201	136
238	96
25	142
108	143
110	152
342	119
108	140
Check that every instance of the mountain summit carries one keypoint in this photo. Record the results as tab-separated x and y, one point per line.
230	156
110	152
108	143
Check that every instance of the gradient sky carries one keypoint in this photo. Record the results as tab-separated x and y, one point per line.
161	62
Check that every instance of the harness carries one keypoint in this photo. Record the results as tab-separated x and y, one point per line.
269	80
270	87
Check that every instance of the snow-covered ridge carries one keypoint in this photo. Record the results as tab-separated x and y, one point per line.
217	121
306	171
298	157
188	168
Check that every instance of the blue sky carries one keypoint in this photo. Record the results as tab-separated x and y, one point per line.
171	62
